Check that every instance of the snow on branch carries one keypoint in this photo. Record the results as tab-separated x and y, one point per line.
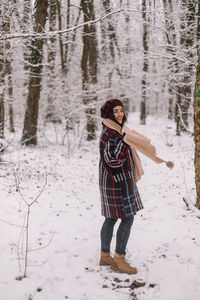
53	33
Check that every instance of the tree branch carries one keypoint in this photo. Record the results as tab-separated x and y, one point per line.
53	33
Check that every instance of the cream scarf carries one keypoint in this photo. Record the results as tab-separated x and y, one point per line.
138	142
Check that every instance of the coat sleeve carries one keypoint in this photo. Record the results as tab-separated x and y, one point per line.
115	152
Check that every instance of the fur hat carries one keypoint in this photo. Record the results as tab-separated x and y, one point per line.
108	106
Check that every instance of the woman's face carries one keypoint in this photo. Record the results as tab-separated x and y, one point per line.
118	114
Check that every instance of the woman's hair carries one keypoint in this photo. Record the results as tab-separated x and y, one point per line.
112	117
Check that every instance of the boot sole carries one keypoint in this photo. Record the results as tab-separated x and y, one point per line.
103	263
106	264
120	271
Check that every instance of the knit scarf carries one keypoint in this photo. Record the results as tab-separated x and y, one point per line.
139	142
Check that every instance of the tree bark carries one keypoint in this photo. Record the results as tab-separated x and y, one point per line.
171	46
62	59
51	115
67	35
8	70
145	64
70	50
89	68
2	69
10	92
187	41
29	136
27	26
196	106
197	132
109	44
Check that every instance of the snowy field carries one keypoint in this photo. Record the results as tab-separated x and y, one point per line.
65	223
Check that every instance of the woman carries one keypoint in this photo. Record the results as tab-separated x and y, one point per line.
119	194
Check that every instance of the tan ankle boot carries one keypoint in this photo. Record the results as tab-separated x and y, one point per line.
107	260
122	265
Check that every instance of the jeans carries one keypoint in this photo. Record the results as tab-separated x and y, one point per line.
123	233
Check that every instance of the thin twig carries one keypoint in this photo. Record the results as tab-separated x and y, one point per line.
43	246
8	223
21	234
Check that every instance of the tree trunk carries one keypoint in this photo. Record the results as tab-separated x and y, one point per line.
2	113
89	68
109	44
29	136
62	60
196	106
51	115
145	64
2	70
171	41
8	70
126	73
67	34
197	131
27	42
10	92
187	41
70	50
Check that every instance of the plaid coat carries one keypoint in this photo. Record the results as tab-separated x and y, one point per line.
119	193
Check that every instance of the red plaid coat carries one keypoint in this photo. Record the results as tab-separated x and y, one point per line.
119	194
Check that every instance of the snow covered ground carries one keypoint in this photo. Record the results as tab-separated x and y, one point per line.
165	237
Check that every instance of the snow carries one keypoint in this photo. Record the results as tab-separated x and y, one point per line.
165	237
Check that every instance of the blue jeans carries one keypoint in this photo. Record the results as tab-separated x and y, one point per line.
123	233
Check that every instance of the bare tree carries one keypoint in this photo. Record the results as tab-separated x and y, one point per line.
8	68
171	50
51	115
145	64
110	51
68	26
27	22
2	70
186	71
196	106
60	35
89	67
6	88
29	136
26	226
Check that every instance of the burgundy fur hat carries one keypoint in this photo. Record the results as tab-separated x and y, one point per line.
108	106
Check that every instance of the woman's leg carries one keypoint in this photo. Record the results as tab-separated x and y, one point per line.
107	233
123	233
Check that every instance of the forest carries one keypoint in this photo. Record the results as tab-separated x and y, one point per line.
60	60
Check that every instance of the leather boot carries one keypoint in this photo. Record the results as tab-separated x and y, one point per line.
107	260
122	265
